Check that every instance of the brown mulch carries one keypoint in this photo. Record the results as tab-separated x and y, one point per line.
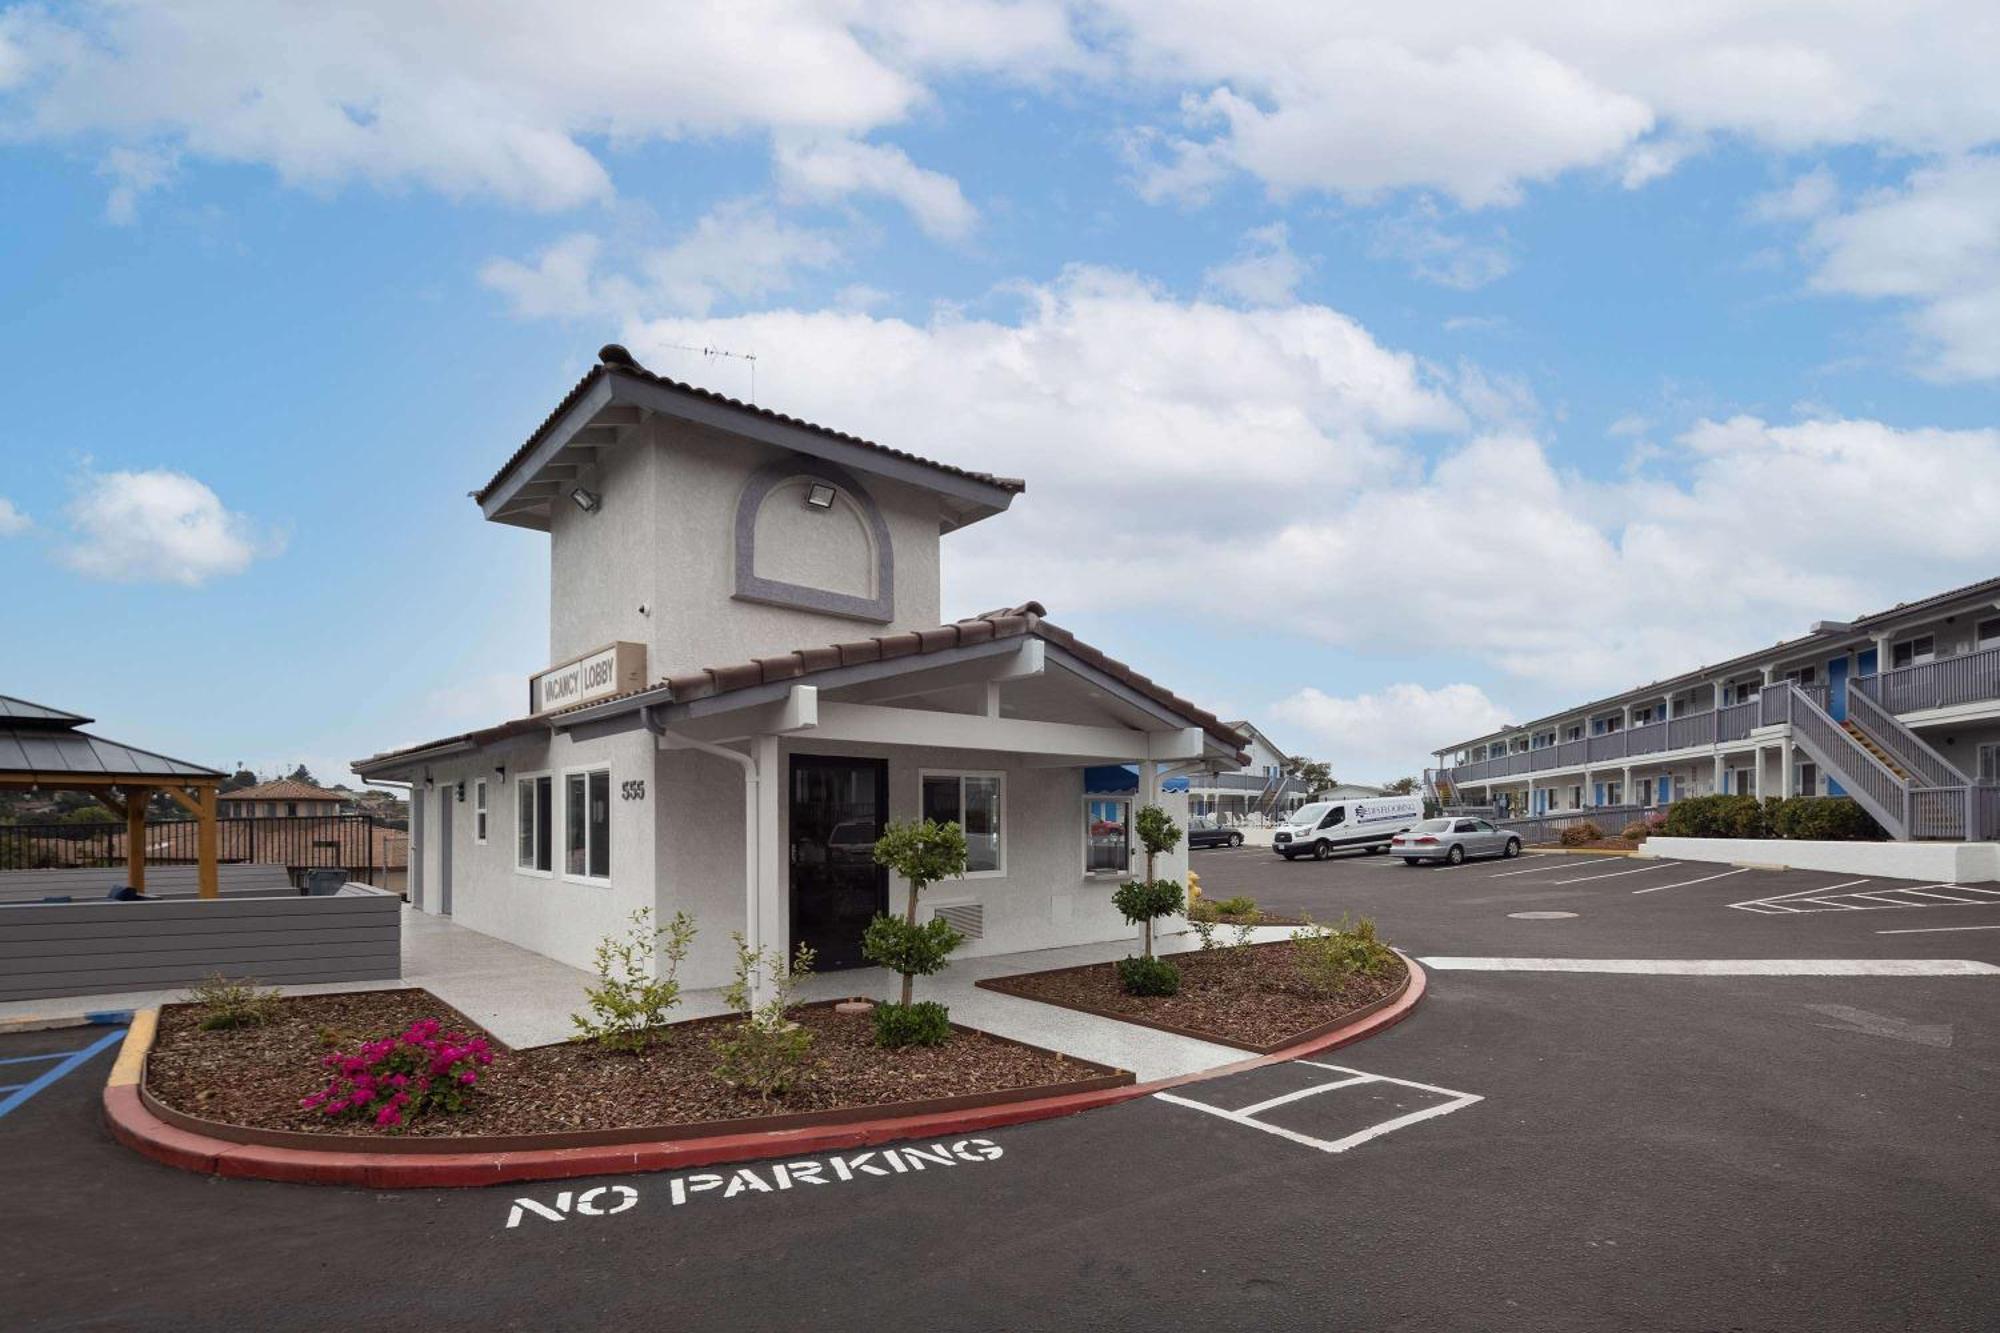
255	1076
1249	994
1259	919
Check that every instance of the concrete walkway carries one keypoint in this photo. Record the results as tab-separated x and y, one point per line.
526	999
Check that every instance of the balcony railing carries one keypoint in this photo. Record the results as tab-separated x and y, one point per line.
1967	679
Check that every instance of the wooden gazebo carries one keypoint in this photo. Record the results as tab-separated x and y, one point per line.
45	748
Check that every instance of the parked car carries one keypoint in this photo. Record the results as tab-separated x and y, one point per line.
1452	840
1205	832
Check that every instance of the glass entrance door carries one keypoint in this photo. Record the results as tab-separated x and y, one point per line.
839	807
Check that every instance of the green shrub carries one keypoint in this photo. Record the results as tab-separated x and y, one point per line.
1325	957
629	1003
1142	901
1148	976
1576	835
1635	831
766	1052
922	852
1237	906
926	1023
1825	818
232	1004
1719	816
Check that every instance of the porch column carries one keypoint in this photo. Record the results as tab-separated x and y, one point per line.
135	836
207	843
1719	768
767	927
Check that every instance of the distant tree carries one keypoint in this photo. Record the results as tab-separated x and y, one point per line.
240	779
1315	776
1400	787
304	774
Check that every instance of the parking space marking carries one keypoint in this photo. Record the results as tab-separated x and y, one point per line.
1828	899
1740	870
1932	930
15	1095
1574	865
1726	967
1246	1117
1584	879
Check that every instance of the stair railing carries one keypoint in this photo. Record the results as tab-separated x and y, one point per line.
1871	782
1924	765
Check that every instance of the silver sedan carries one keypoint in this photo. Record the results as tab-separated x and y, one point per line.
1452	840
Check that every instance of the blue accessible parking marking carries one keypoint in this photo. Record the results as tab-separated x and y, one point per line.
15	1095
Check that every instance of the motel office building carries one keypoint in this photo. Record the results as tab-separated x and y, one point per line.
1899	709
749	677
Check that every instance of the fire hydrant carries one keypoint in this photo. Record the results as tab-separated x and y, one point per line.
1194	886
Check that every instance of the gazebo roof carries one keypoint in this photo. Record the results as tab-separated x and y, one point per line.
42	746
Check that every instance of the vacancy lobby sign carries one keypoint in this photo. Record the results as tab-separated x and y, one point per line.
605	671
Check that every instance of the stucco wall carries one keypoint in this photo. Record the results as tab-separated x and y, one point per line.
1934	862
551	914
603	566
830	548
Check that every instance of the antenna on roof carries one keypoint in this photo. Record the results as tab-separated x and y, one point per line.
713	352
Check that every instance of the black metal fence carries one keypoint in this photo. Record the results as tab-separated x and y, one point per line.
362	845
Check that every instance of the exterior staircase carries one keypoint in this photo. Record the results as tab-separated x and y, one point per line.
1894	774
1868	743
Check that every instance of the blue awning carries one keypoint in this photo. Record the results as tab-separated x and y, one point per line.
1174	784
1117	779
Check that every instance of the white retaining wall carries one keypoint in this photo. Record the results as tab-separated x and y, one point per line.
1936	862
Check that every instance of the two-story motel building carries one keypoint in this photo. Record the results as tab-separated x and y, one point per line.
749	676
1899	709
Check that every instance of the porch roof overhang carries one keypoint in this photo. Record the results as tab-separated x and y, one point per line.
613	400
1006	682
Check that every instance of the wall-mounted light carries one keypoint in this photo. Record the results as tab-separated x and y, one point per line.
501	769
586	499
819	495
429	781
461	791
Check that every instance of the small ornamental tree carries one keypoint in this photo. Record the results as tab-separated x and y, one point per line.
634	991
1143	901
922	852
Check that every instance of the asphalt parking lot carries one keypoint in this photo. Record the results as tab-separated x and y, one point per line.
1530	1150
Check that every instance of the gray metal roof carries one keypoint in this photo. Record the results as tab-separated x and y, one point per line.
42	744
21	711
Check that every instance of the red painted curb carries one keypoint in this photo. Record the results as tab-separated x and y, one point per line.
139	1129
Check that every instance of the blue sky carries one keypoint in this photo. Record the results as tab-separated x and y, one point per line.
1379	381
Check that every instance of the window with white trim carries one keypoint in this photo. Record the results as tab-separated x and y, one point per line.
1804	675
1913	652
1988	634
587	824
534	823
1808	778
974	802
1107	835
1989	763
479	811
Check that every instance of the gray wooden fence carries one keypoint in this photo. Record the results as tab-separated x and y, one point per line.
88	947
82	883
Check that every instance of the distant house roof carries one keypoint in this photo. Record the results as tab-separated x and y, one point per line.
43	746
802	664
284	789
618	377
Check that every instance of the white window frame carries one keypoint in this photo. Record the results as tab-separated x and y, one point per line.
1799	777
555	825
1916	658
1000	779
480	815
1987	758
1129	800
560	828
1986	634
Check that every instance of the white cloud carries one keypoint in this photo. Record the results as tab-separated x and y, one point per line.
1801	199
158	526
1439	256
1386	733
738	251
1935	244
826	170
12	521
1119	404
1265	271
134	173
1478	100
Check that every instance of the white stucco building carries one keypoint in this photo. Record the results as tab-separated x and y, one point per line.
749	677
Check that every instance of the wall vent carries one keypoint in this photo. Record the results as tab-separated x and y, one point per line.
968	919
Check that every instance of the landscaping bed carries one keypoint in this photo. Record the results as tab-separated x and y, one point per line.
1247	996
255	1077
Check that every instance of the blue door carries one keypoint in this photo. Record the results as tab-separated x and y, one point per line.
1836	688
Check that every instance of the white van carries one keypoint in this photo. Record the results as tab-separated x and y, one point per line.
1325	827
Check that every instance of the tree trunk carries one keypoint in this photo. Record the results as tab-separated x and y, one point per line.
910	917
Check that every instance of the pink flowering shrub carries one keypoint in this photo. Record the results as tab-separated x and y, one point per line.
393	1080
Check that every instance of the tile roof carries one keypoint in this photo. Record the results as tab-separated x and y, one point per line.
284	789
614	359
1029	618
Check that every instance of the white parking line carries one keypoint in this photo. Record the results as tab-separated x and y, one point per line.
1585	879
1460	1100
1943	897
1765	904
1726	967
1703	880
1595	860
1932	930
